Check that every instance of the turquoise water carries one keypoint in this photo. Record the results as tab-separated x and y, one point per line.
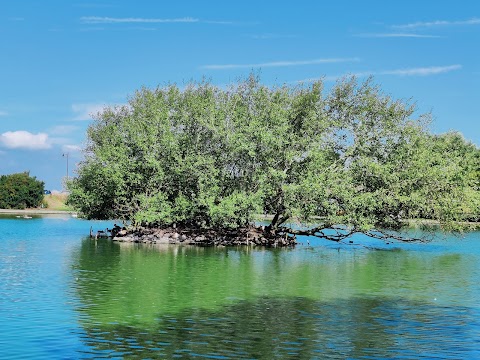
64	296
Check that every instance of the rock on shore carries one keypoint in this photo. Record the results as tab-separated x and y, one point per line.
252	236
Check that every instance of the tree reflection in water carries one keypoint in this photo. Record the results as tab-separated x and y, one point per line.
296	328
143	302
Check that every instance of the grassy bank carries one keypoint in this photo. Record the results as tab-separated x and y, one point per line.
52	204
56	202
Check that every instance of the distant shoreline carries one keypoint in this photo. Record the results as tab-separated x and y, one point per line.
35	212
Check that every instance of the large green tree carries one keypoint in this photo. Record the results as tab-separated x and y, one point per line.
349	160
20	191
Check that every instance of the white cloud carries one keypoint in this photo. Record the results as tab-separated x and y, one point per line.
419	71
420	24
130	20
279	63
24	140
3	113
422	71
86	111
395	35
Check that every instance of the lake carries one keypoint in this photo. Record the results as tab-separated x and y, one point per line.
65	296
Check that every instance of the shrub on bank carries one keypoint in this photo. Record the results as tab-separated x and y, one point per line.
20	191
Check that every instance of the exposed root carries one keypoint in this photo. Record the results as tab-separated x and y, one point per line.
250	236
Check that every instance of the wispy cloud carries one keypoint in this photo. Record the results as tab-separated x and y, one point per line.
71	148
96	28
24	140
132	20
395	35
86	111
3	113
92	5
271	36
427	24
63	129
96	20
418	71
219	22
279	63
422	71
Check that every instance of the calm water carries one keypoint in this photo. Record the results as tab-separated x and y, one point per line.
64	296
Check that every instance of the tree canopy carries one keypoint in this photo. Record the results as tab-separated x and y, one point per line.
351	159
20	191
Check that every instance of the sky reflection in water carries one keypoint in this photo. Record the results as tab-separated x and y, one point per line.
65	296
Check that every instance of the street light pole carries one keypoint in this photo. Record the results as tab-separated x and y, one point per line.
66	155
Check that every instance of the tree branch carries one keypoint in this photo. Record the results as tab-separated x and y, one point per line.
386	236
339	233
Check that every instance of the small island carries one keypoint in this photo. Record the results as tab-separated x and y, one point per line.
251	236
196	165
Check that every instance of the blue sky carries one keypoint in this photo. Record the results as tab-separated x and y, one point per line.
62	61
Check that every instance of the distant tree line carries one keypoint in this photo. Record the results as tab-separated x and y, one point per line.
349	160
20	191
